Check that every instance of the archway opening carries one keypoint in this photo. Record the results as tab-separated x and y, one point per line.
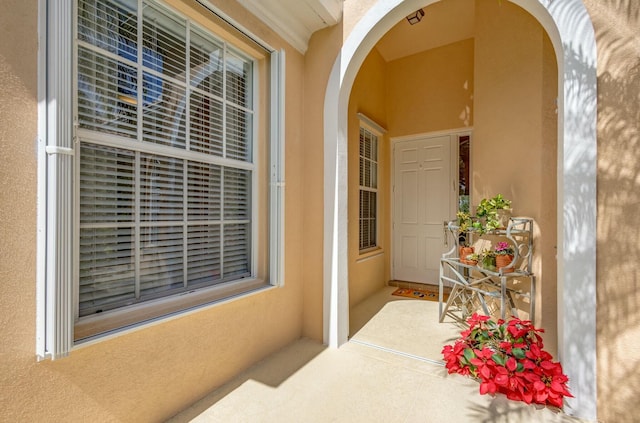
573	41
488	70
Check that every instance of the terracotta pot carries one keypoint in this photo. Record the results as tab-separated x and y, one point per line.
464	252
502	261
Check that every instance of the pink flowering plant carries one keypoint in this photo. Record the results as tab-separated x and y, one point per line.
507	357
503	249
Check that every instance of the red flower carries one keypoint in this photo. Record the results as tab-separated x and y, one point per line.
452	355
488	387
477	320
507	357
483	363
511	364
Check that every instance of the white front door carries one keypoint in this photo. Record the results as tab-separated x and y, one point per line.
424	197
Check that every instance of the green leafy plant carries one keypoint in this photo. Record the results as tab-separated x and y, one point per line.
488	211
488	259
464	221
473	257
496	203
464	225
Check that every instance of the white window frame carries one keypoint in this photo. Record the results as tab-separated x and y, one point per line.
56	275
378	131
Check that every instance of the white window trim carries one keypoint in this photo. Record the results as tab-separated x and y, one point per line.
55	219
374	128
55	207
277	169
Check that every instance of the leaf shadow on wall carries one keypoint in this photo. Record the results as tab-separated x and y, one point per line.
618	290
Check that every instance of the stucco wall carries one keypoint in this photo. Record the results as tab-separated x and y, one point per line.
432	90
149	374
323	49
616	24
514	144
368	272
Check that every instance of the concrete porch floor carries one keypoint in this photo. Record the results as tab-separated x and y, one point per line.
389	371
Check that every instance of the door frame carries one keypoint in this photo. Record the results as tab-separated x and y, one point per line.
454	170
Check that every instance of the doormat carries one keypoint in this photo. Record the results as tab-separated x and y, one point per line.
419	294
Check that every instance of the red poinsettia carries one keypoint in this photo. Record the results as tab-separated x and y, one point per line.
507	357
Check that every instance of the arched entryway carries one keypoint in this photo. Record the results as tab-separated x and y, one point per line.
569	28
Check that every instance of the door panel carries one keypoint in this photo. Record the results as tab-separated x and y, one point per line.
409	252
423	199
410	200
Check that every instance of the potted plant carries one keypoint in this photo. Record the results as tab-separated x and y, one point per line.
472	259
495	211
464	226
504	256
488	259
507	357
464	221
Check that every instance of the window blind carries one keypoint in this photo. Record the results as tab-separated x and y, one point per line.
146	166
368	188
165	113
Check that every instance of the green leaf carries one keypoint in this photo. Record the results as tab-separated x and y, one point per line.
518	353
499	359
520	367
469	354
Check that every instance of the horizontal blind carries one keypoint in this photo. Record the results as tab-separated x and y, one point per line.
153	224
368	189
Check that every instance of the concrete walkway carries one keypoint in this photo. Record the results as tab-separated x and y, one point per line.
390	371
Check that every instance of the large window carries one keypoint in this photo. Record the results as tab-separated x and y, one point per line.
166	167
368	218
165	114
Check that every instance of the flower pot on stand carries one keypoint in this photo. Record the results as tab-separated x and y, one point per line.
502	261
464	252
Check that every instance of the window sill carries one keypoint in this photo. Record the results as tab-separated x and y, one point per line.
104	325
366	255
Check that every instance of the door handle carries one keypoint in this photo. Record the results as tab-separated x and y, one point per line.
445	226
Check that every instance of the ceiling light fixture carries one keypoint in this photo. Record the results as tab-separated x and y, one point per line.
415	17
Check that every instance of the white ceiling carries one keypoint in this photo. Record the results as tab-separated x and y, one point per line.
296	20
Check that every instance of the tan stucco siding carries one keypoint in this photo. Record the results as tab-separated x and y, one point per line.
324	47
431	91
616	26
368	272
514	146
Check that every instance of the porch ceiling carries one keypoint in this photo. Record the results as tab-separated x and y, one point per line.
443	23
296	20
